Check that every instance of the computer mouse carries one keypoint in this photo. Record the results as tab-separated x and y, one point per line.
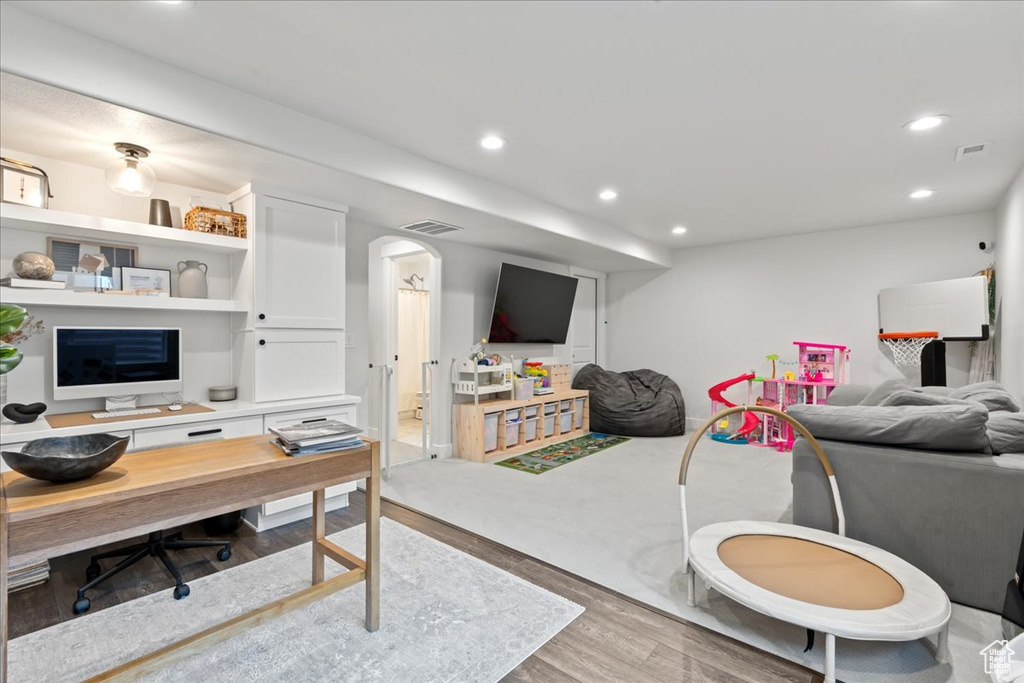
174	407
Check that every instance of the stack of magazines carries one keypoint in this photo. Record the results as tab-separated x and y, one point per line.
310	438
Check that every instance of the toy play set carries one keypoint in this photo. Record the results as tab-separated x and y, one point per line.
819	368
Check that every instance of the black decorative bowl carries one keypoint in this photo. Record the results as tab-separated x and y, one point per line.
67	458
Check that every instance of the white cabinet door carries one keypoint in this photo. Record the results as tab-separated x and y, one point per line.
299	265
299	364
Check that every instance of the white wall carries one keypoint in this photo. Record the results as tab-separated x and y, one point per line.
720	309
1010	288
469	276
206	336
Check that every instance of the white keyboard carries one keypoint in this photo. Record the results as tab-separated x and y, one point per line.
125	413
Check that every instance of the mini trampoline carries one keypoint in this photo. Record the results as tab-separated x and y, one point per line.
815	579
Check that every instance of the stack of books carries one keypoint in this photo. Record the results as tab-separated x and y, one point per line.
316	437
32	284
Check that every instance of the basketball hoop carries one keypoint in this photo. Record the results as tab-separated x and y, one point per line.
906	347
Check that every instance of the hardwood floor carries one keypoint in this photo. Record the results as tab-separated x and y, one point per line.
614	640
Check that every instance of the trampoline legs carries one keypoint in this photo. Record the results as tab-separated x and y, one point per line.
942	650
691	587
830	658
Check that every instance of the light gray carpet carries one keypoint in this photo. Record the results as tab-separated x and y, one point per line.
614	518
445	616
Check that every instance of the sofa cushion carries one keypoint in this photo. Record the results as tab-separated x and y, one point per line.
990	394
1006	432
848	394
944	427
909	397
883	391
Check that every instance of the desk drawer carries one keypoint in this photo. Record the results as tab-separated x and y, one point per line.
347	413
197	432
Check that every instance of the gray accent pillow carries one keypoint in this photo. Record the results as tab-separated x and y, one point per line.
943	428
848	394
990	394
1006	432
883	391
910	397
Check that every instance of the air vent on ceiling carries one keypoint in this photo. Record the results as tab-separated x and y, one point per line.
976	151
429	227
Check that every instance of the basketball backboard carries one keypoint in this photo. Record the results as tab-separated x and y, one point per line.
956	309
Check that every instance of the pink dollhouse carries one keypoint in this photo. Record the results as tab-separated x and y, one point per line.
820	368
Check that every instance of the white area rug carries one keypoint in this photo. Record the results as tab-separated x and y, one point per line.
445	616
613	518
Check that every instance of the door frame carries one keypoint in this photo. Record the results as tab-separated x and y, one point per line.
383	321
601	355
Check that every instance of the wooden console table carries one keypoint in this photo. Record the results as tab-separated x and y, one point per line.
164	488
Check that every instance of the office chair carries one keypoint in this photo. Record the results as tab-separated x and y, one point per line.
156	546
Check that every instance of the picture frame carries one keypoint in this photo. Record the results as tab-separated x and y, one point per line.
145	281
89	266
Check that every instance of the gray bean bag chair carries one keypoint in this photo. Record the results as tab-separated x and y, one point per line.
636	403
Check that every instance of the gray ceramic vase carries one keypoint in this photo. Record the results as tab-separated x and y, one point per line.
192	280
67	458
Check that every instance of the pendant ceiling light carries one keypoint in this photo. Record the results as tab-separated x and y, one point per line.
129	174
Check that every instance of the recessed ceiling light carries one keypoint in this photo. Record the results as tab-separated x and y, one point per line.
678	230
922	193
926	122
608	194
493	142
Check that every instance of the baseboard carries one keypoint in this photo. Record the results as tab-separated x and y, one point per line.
694	423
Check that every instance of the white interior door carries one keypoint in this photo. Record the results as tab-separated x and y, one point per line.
584	324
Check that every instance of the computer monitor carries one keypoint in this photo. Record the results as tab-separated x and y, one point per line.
100	362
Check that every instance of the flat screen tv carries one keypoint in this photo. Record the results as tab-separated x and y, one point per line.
531	306
98	362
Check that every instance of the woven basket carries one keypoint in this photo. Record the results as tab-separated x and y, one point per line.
215	221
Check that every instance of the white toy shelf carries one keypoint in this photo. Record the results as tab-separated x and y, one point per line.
474	380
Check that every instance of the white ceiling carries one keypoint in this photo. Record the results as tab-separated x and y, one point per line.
738	120
51	122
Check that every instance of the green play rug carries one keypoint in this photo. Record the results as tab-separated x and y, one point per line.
558	454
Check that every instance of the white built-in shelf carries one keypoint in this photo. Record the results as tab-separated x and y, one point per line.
59	297
129	232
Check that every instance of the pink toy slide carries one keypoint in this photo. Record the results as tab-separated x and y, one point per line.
750	420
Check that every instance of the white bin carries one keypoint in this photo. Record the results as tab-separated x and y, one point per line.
549	425
531	428
511	434
550	408
490	431
566	422
522	388
579	412
512	415
531	411
566	406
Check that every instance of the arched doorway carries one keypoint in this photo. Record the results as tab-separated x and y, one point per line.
405	343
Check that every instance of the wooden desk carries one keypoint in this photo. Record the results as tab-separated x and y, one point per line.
164	488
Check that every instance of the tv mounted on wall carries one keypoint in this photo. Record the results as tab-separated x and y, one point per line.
531	306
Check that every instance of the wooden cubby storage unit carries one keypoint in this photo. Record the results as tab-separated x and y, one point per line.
471	442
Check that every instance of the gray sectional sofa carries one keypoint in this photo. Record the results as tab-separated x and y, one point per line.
957	515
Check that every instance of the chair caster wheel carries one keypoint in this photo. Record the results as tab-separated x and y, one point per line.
81	606
224	555
92	571
181	591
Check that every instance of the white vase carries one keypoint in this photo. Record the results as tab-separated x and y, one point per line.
192	280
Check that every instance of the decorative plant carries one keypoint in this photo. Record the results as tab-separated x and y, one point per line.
16	325
772	357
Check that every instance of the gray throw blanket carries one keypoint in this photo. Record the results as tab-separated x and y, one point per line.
635	403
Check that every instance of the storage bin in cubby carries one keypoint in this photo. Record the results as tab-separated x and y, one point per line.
549	425
491	431
531	428
566	422
511	434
